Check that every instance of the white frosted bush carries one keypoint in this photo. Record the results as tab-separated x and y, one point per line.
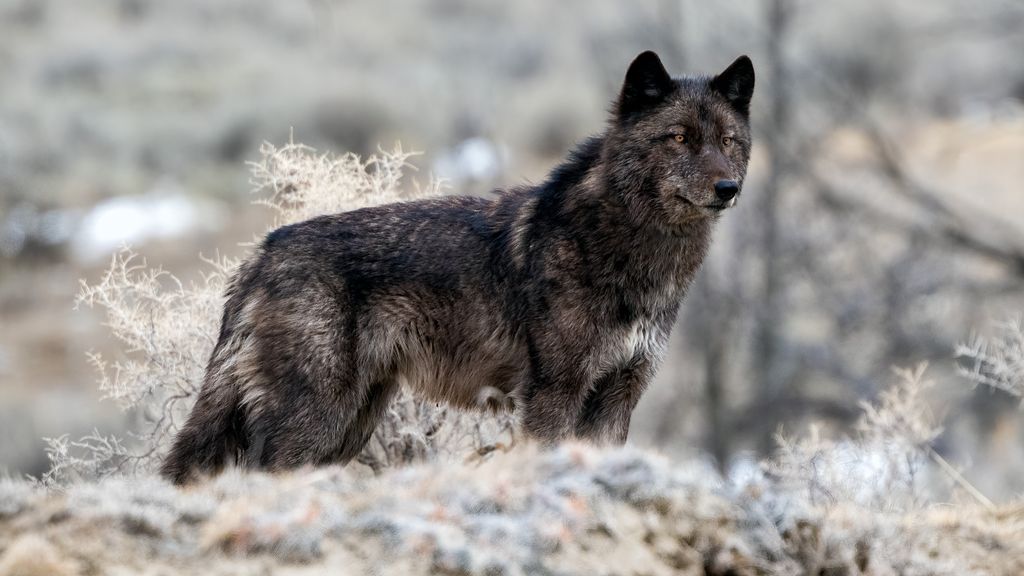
998	361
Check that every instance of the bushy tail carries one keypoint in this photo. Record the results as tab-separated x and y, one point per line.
211	435
215	429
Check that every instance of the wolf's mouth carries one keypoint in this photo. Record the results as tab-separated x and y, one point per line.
718	207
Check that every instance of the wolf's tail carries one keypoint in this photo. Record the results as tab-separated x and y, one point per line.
213	431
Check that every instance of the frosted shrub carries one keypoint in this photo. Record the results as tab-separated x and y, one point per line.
886	466
91	456
167	330
997	362
299	183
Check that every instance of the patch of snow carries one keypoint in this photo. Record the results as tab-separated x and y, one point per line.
475	159
131	220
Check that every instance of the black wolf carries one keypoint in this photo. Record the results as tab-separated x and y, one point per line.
561	296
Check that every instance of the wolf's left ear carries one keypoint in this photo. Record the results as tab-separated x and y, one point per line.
647	83
736	83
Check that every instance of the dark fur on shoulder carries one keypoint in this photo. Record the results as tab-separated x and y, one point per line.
561	296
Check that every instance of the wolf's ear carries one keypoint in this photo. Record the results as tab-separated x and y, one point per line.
736	83
647	83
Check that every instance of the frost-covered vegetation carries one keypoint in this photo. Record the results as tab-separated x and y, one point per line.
997	362
573	510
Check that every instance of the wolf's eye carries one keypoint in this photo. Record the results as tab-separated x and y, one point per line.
680	138
727	141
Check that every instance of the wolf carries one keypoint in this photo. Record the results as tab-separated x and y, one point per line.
561	296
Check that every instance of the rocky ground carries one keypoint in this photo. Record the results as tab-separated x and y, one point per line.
574	510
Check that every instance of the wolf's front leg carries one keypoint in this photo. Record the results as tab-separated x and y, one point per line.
606	411
554	396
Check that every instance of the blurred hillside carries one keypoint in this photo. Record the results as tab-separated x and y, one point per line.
880	225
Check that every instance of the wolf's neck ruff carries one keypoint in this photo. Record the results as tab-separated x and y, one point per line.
560	297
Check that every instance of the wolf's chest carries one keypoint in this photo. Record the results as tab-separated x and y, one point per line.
641	338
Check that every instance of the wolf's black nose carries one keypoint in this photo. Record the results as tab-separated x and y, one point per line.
726	190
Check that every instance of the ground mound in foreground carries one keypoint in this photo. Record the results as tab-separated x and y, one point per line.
574	510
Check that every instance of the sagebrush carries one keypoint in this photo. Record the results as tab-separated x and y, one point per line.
997	361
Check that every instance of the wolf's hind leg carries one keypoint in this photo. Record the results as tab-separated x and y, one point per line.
302	389
359	430
303	429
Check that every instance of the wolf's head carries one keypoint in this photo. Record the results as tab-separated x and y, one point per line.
677	149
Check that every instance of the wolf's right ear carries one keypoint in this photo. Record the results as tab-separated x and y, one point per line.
647	83
736	83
